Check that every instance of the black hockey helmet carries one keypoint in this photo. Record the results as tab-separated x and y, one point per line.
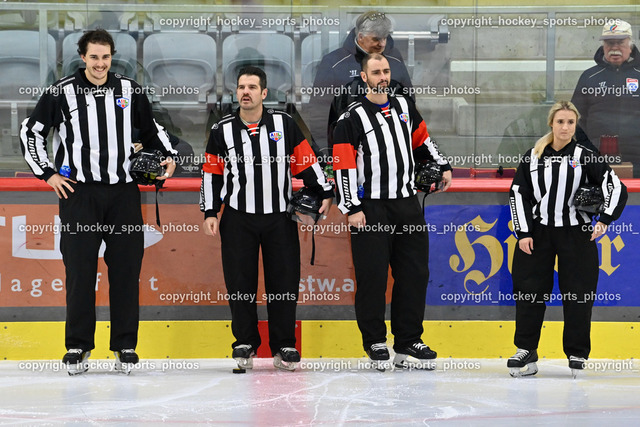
304	206
145	167
589	198
427	174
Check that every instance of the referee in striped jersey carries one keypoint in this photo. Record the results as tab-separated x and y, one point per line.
252	155
93	114
548	224
377	142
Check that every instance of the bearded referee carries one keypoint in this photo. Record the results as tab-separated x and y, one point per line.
377	143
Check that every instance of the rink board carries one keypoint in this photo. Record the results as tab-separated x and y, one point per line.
319	339
470	260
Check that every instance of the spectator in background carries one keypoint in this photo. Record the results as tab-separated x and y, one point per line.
607	95
342	67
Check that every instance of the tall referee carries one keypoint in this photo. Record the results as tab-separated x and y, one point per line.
93	114
252	155
547	225
377	142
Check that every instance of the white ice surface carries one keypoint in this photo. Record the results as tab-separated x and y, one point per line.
320	392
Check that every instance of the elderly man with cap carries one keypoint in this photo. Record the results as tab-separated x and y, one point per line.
342	67
608	98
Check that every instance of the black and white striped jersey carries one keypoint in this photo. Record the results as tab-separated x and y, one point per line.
375	150
543	188
93	127
251	171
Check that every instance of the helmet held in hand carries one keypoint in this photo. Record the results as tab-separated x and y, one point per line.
145	167
426	175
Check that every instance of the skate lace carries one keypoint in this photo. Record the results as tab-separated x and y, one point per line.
288	350
378	346
521	354
127	351
75	350
577	359
419	346
242	346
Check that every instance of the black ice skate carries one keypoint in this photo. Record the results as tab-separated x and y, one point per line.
576	364
286	358
76	361
379	355
243	354
522	359
125	360
415	356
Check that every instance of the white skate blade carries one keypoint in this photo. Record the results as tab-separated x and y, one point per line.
281	364
380	365
576	372
529	369
123	368
79	368
404	361
244	362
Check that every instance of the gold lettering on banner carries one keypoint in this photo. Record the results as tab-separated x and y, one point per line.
512	244
606	243
467	250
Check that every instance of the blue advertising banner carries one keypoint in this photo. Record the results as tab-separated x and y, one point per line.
471	254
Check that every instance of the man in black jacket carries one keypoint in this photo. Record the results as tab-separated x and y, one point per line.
607	95
342	66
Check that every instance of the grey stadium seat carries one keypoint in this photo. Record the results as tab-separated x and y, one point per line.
312	52
180	64
272	52
21	84
20	64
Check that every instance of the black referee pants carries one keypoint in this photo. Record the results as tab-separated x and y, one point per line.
374	249
93	213
578	266
242	236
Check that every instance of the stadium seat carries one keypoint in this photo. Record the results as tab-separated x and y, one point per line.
20	64
313	51
272	52
181	67
23	80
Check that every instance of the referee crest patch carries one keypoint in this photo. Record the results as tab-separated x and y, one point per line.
122	103
404	117
573	162
275	136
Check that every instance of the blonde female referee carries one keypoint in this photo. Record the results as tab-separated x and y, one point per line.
548	224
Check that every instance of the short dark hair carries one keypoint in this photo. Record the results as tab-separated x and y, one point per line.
250	70
367	58
98	36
